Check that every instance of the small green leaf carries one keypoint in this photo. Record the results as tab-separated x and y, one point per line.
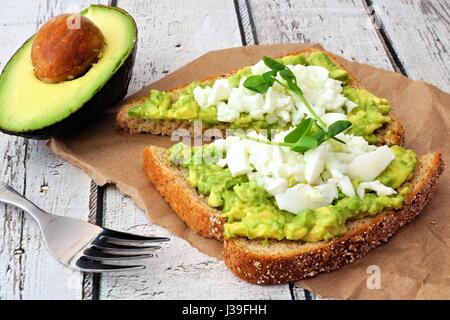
273	64
300	131
257	84
287	75
269	77
338	127
338	140
320	136
294	88
304	144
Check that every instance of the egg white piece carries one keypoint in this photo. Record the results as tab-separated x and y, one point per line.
201	96
368	166
278	105
259	68
315	162
237	159
303	196
376	186
220	91
225	113
210	96
328	192
331	117
275	185
350	105
345	184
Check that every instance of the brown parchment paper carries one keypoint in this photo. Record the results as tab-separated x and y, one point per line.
414	264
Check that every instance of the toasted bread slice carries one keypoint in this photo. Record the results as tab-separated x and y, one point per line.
392	134
285	261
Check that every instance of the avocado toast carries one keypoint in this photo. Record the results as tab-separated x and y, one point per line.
286	214
149	115
273	261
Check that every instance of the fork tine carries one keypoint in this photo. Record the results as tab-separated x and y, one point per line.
103	245
129	237
95	254
86	265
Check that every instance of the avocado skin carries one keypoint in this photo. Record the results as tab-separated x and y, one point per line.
111	93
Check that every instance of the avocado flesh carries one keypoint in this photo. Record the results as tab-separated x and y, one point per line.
35	109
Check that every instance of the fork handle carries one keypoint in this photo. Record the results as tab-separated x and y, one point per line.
11	196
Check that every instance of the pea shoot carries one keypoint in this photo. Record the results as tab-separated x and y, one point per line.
305	136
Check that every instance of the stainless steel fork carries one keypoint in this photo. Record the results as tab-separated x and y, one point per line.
80	245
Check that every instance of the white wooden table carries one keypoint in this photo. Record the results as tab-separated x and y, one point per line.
411	37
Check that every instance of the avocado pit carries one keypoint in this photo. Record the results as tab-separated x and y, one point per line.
65	48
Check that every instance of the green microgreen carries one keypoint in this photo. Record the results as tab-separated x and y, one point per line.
302	138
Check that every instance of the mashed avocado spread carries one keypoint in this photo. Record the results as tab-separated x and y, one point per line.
370	114
253	213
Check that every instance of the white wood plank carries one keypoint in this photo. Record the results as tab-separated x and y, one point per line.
171	33
420	35
12	151
174	32
342	27
31	272
246	25
60	188
177	271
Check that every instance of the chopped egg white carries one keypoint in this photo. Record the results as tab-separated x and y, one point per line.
210	96
354	145
368	166
225	113
376	186
277	105
275	185
259	68
350	105
315	162
237	159
332	117
346	186
297	181
304	196
310	180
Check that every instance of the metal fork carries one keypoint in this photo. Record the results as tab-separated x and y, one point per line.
84	246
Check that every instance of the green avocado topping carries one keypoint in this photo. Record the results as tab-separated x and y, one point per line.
400	169
235	78
293	60
370	114
160	105
319	58
252	212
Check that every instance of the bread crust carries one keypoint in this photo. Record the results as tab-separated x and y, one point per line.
171	183
285	261
391	134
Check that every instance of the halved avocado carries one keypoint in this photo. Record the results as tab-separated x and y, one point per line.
33	108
